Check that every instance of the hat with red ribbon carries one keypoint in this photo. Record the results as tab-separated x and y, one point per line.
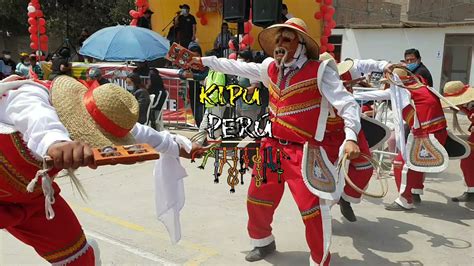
101	117
458	93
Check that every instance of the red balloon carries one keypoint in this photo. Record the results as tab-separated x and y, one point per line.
32	15
330	47
332	24
204	21
246	39
327	17
242	46
39	13
323	49
44	46
231	45
324	9
318	1
33	30
318	15
199	14
247	27
233	56
324	40
134	22
42	21
134	14
31	21
331	11
44	38
34	37
327	31
34	46
42	29
139	2
328	2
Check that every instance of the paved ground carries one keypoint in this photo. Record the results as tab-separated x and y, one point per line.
120	216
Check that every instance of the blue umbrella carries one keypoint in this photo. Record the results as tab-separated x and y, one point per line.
125	43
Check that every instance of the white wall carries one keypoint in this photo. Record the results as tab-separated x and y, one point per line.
390	44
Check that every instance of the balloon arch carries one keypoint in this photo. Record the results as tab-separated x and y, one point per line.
37	29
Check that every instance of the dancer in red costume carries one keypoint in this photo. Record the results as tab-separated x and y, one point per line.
303	92
463	97
426	119
65	128
360	170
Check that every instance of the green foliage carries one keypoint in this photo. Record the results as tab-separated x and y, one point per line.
90	14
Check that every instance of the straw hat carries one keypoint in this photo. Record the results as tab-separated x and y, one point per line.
100	117
266	38
342	67
457	93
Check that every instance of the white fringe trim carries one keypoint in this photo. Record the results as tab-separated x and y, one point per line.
417	191
73	257
470	190
312	262
262	242
351	199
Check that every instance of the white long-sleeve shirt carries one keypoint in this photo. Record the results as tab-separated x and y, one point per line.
29	111
366	66
332	88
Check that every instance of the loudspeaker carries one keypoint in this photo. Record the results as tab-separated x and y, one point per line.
236	10
266	12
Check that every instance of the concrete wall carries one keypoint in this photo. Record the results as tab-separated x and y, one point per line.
390	44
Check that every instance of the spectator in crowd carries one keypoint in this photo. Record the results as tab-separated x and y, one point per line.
23	67
35	70
82	38
219	79
94	74
9	65
61	65
142	69
414	64
221	44
243	109
137	88
185	26
145	20
194	78
284	13
157	88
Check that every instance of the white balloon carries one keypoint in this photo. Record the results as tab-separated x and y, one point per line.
31	9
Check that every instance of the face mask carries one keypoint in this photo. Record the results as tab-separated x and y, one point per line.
7	57
412	66
184	11
130	87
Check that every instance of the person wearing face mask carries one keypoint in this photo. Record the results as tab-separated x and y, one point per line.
23	67
9	65
185	25
302	90
414	64
137	88
35	71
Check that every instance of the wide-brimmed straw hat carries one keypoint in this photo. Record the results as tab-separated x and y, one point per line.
457	93
100	117
342	67
266	38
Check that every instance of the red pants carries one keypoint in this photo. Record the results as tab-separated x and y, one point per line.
467	166
414	179
263	201
360	170
60	240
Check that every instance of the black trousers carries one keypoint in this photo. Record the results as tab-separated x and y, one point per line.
196	106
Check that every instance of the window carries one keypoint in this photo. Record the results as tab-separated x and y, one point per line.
337	41
457	58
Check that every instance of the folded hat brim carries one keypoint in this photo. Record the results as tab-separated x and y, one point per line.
67	98
464	98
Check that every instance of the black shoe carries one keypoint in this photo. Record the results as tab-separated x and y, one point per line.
259	253
416	199
395	207
346	210
465	197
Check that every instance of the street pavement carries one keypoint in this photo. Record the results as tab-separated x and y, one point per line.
120	216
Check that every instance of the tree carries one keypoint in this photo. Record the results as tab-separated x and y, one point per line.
90	14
